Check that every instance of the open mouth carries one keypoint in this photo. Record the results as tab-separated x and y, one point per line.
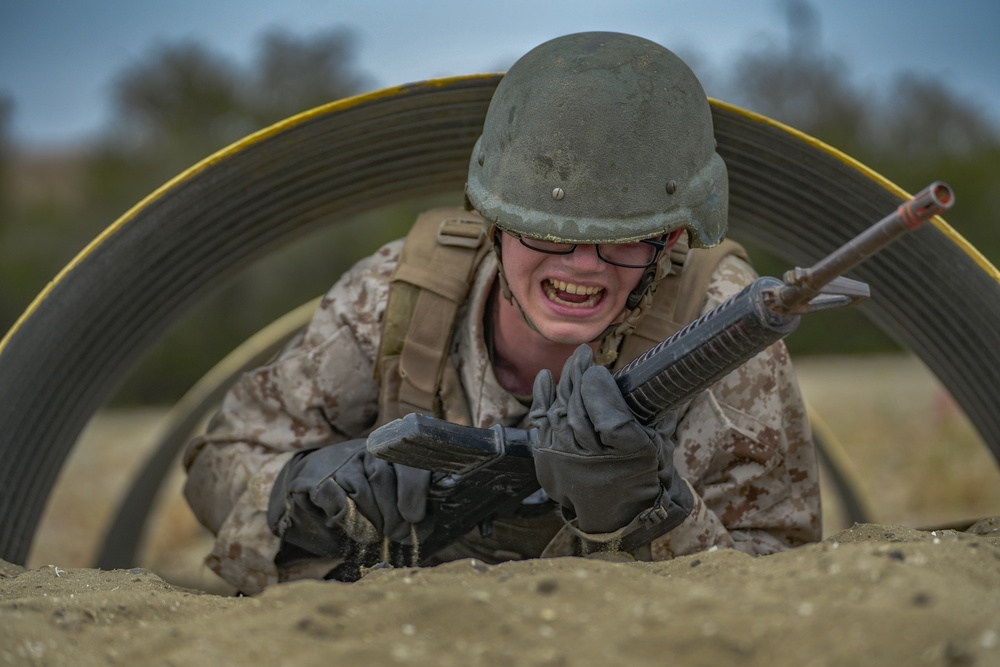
571	294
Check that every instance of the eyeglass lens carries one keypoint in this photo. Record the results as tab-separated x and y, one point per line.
639	254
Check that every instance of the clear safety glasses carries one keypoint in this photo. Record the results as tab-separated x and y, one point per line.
635	255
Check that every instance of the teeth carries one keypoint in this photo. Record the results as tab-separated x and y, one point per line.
594	293
572	288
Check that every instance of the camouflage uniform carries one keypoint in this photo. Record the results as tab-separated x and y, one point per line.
744	446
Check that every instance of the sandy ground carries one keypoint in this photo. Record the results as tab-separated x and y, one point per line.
871	594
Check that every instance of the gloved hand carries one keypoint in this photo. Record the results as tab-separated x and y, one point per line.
592	456
339	491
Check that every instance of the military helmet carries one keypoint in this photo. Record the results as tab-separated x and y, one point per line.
600	137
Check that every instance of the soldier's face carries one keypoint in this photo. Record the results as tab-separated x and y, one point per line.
570	299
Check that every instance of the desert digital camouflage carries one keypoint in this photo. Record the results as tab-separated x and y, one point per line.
744	446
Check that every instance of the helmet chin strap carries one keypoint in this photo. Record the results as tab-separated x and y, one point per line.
508	295
639	301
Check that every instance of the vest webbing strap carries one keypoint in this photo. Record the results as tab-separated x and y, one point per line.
428	287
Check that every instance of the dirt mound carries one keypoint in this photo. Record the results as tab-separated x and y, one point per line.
870	595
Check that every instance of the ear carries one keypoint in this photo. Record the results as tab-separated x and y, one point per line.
672	238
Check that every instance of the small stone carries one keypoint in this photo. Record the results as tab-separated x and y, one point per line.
547	586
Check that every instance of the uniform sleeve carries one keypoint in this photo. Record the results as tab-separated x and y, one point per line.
320	390
745	449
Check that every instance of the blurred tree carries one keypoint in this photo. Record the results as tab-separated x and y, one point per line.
293	74
921	131
178	94
8	296
914	131
26	228
6	111
800	85
921	118
183	103
173	107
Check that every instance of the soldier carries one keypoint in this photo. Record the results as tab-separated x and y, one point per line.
592	195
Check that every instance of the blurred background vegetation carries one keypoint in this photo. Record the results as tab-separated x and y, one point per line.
181	102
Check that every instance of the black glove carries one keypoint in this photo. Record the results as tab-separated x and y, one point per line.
313	503
594	458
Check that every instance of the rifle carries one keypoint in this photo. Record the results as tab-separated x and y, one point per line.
480	472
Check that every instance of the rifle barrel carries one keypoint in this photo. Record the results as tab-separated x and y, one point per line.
802	284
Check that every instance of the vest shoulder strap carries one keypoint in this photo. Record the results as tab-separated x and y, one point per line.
678	300
429	285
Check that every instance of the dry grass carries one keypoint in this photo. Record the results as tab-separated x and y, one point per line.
916	457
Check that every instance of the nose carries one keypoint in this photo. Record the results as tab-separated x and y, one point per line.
585	258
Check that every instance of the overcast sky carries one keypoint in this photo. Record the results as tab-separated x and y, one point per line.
58	58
